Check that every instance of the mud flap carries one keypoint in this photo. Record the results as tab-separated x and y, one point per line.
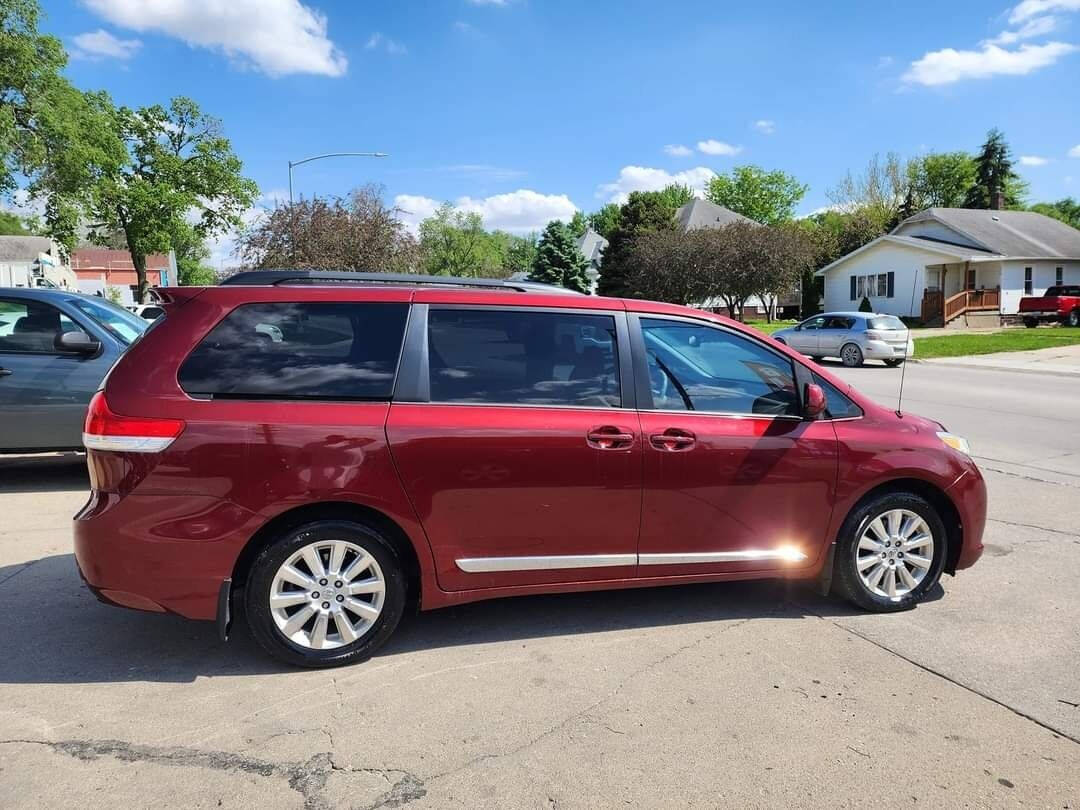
224	608
824	581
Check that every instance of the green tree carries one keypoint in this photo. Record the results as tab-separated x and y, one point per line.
179	167
994	175
520	254
605	221
191	255
675	196
578	223
558	260
13	225
941	179
1066	210
53	137
644	211
454	243
765	197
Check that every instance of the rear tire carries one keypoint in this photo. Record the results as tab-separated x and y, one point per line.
1073	318
1031	323
781	341
338	592
852	355
893	363
817	359
874	573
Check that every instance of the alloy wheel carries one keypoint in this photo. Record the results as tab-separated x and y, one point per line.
326	595
895	553
851	355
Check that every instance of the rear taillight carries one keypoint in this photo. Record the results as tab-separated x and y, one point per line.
872	335
105	430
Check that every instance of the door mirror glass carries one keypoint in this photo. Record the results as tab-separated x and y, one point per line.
813	401
77	343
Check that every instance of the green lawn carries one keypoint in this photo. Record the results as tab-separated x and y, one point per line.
769	328
1010	340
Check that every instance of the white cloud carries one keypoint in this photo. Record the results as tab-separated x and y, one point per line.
378	41
278	37
950	65
521	211
765	126
1034	8
1033	160
678	150
1075	151
714	147
641	178
100	44
1036	27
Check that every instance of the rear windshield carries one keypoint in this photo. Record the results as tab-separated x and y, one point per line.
885	322
1056	291
337	351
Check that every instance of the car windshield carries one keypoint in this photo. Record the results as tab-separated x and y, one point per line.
885	322
117	320
1053	292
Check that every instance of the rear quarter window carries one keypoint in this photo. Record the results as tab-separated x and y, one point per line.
337	351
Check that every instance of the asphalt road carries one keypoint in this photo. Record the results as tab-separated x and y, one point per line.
747	695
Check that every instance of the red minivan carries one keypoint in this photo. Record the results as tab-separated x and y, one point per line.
326	449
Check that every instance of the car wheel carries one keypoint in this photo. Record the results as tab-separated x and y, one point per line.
817	359
781	341
325	594
1031	323
1073	318
893	363
852	355
890	552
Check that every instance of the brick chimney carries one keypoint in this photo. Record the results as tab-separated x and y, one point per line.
997	201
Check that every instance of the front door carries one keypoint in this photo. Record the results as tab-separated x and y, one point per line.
735	479
834	333
524	460
805	338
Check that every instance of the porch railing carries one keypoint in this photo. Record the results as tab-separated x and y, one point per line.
968	300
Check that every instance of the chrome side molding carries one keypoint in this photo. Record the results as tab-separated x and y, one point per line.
485	565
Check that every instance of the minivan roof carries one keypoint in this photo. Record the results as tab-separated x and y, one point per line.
264	278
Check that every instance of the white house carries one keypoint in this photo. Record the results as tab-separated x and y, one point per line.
956	266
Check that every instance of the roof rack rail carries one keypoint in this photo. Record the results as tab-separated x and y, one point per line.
270	278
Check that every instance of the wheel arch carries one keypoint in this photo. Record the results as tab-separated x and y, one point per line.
332	510
938	498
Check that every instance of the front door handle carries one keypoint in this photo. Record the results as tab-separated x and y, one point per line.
609	437
5	372
673	440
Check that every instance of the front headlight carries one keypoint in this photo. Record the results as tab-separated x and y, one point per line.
955	442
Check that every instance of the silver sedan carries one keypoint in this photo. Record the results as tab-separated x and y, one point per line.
851	336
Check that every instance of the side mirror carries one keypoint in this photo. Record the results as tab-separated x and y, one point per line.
813	401
77	343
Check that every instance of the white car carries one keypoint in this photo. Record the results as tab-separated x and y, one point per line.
851	336
150	312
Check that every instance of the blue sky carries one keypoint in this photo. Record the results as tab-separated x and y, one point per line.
526	109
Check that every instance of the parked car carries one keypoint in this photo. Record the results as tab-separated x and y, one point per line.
432	441
150	312
1060	304
55	347
851	336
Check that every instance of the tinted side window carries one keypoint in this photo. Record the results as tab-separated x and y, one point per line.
701	368
30	327
523	358
837	406
299	351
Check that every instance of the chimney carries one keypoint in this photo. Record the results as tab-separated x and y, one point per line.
997	201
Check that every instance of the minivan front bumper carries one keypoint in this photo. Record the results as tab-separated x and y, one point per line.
968	494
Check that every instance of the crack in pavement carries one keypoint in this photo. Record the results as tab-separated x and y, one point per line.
987	468
1072	535
18	571
307	778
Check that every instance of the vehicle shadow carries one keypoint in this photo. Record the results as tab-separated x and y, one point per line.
56	632
52	472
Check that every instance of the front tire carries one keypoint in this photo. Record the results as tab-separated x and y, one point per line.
852	355
325	594
890	552
893	363
1031	323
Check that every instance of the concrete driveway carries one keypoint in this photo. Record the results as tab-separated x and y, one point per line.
748	695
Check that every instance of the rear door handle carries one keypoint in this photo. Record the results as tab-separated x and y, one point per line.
5	372
609	437
673	440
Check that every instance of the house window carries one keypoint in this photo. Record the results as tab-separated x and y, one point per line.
882	285
1059	276
862	287
1027	281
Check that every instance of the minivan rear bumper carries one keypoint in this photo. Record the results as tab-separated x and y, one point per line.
159	552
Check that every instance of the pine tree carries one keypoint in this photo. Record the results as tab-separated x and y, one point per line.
994	174
643	212
558	260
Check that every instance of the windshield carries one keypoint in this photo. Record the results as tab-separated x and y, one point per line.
118	321
1053	292
885	322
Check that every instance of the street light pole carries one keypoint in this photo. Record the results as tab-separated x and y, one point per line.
293	163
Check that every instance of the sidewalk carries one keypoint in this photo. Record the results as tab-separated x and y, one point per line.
1060	360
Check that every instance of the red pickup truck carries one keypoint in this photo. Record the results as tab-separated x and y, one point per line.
1060	303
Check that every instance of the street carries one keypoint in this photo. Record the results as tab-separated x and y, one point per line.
747	694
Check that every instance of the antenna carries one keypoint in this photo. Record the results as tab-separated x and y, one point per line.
903	365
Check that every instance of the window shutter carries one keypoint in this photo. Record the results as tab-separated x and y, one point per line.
892	284
852	288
